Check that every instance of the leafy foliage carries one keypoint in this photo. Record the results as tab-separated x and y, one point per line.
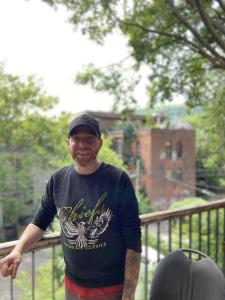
215	128
25	139
43	283
210	159
144	203
112	80
107	155
181	43
129	132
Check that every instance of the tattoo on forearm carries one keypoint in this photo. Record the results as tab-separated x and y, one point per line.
132	267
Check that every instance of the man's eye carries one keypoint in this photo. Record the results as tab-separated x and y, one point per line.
90	140
76	140
83	140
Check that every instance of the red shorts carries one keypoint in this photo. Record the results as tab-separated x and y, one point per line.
76	292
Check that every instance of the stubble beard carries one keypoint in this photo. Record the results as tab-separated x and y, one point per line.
86	161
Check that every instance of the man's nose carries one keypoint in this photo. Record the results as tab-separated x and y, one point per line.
83	143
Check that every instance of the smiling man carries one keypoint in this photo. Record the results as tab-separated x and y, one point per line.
84	141
100	226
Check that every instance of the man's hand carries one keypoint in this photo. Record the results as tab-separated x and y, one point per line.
9	265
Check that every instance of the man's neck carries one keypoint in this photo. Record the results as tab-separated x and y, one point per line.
87	169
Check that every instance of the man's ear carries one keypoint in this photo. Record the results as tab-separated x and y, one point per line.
67	141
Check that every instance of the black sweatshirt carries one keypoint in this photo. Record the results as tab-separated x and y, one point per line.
99	220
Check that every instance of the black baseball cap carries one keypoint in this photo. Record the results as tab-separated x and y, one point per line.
85	120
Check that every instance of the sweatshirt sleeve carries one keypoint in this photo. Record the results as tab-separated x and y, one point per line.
129	215
47	209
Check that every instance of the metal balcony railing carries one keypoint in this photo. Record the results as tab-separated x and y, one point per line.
201	228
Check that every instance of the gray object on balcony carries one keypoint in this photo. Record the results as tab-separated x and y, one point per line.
178	277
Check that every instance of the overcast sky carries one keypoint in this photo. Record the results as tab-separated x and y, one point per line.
36	39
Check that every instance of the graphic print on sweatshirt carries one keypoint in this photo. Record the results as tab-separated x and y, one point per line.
83	227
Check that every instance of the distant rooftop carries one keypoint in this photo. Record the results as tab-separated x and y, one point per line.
182	125
112	115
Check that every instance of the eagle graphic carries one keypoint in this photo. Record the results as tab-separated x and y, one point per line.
81	233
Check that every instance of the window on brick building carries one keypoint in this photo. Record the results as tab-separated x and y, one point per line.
138	149
179	174
168	174
168	149
179	149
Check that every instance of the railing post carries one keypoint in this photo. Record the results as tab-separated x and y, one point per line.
180	232
224	241
158	241
146	262
209	232
199	231
190	234
33	275
11	289
217	235
170	236
53	272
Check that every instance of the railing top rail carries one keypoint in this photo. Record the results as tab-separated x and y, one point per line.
48	240
177	213
52	239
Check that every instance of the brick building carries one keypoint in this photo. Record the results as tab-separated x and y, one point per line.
108	120
163	160
168	158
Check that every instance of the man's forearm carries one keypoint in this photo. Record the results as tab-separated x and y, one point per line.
31	235
132	267
9	264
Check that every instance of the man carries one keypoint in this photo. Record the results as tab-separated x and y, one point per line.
100	226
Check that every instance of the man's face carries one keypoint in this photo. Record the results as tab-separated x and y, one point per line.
84	146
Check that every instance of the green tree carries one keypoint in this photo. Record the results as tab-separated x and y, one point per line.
213	122
181	43
129	130
210	154
144	203
25	140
